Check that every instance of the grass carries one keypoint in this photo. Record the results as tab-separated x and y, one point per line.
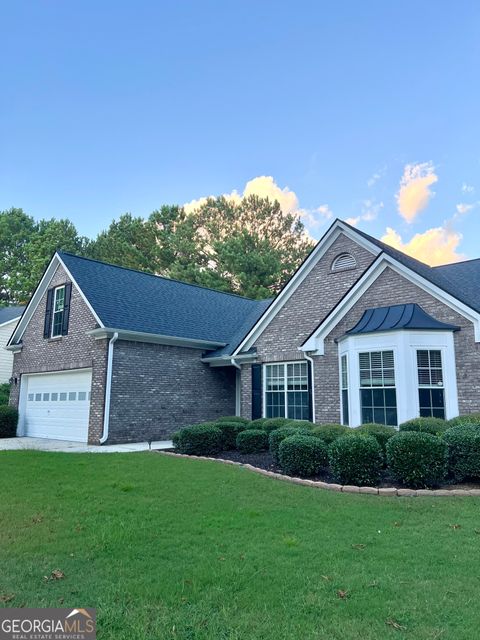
184	549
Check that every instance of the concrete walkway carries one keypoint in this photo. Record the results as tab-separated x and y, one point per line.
66	446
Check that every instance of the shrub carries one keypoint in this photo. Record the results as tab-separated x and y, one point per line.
8	421
301	424
302	455
4	393
356	460
330	432
380	432
434	426
257	424
270	424
252	441
233	419
278	436
199	439
230	431
417	459
469	418
463	451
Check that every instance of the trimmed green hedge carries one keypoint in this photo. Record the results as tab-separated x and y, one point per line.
434	426
233	419
417	459
278	436
252	441
469	418
463	451
8	421
380	432
302	455
356	460
330	432
199	439
230	431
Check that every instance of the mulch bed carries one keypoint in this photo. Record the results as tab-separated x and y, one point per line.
264	460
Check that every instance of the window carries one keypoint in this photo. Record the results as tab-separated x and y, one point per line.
82	395
30	397
287	391
72	396
54	397
344	389
58	311
377	387
46	397
344	261
38	397
63	397
431	395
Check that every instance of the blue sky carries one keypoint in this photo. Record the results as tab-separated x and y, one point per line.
110	107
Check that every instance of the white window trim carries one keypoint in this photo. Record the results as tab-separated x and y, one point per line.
404	345
285	391
54	302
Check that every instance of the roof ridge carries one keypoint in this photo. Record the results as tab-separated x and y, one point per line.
454	264
154	275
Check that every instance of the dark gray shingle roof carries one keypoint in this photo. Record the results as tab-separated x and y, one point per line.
10	313
136	301
399	316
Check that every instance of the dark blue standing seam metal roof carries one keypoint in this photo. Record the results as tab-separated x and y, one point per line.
399	316
10	313
136	301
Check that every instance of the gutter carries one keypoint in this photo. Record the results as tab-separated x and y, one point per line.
140	336
108	388
310	359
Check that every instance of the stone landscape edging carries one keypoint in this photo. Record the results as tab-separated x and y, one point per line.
341	488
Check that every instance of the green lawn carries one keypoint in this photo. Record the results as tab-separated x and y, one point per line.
185	549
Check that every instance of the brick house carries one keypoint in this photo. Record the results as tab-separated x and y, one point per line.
360	333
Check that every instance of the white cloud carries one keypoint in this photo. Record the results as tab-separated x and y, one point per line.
414	193
462	208
370	211
265	186
434	247
375	177
467	188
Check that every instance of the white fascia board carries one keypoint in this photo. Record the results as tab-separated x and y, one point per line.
337	228
38	294
226	361
315	342
139	336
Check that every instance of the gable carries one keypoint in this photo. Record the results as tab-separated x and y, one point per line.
30	327
404	286
314	297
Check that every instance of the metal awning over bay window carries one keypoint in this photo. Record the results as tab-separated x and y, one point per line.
401	364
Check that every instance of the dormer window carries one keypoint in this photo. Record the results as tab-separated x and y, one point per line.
343	262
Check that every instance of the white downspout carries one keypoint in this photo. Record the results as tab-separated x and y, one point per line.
238	405
108	388
310	359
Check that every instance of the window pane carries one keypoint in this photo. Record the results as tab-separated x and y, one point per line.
54	397
346	417
38	397
63	396
46	397
378	398
437	398
366	397
275	405
367	415
298	408
72	396
379	416
297	376
82	395
391	417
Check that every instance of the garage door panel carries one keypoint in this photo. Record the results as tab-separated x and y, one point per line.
57	405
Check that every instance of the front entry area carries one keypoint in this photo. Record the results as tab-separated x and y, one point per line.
56	405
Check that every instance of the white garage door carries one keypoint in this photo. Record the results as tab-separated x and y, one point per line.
57	405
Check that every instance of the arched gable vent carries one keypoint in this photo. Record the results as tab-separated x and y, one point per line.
344	261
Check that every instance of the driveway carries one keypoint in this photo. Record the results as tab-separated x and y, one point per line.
65	446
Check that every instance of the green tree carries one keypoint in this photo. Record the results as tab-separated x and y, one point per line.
250	247
16	230
129	242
